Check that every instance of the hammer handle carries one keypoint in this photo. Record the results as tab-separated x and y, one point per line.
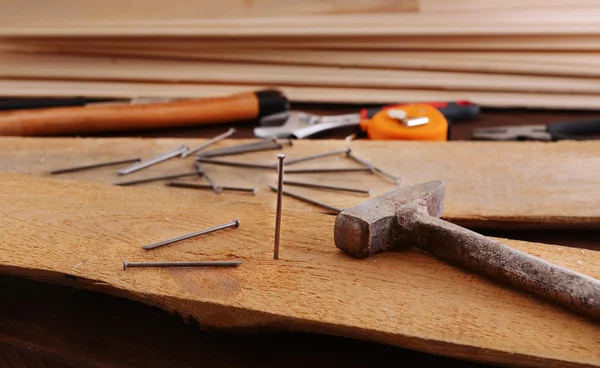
480	254
111	118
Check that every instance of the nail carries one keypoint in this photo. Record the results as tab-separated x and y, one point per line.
280	158
127	265
179	184
267	146
234	223
235	164
329	187
153	161
217	189
308	200
208	143
396	179
322	171
237	147
320	155
157	178
94	166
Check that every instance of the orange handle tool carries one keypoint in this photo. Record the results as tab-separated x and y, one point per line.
381	126
124	117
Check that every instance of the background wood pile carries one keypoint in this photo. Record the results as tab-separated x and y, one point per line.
538	53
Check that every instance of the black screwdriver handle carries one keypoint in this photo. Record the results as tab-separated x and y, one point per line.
575	130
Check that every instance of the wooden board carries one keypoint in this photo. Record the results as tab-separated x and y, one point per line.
581	20
438	42
486	182
79	234
21	12
150	70
61	88
527	63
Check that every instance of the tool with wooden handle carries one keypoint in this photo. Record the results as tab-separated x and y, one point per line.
410	217
125	117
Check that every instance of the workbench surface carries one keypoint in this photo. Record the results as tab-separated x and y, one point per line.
57	326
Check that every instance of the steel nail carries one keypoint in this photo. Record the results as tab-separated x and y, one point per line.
235	164
336	170
235	223
153	161
217	189
328	187
127	265
307	200
178	184
157	178
280	158
313	157
396	179
94	166
267	146
208	143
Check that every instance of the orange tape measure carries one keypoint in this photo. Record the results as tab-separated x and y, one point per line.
383	125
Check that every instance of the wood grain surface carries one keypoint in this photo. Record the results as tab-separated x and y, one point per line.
507	184
335	95
80	233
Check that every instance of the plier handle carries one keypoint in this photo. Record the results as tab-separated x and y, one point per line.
565	130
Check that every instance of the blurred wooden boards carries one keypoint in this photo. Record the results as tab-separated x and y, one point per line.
80	233
108	89
506	184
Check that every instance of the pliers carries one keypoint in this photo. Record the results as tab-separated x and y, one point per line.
571	130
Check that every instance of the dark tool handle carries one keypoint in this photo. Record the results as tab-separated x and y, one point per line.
126	117
40	103
575	130
452	111
477	253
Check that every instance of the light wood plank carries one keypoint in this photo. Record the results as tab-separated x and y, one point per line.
485	181
528	63
54	88
415	42
568	21
401	298
19	12
148	70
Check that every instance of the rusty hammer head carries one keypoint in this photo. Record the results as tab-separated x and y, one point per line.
381	222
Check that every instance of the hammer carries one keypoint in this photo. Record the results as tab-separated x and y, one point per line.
410	217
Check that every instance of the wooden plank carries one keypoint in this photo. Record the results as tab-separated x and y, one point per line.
53	88
427	6
149	70
538	195
400	298
441	42
529	63
19	12
571	21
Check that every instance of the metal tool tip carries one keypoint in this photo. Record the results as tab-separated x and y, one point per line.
236	222
348	151
232	131
398	181
273	188
124	265
280	156
255	191
218	190
237	263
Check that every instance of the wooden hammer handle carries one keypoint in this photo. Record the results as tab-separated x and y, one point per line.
464	248
106	118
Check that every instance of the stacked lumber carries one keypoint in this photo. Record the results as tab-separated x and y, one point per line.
542	53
